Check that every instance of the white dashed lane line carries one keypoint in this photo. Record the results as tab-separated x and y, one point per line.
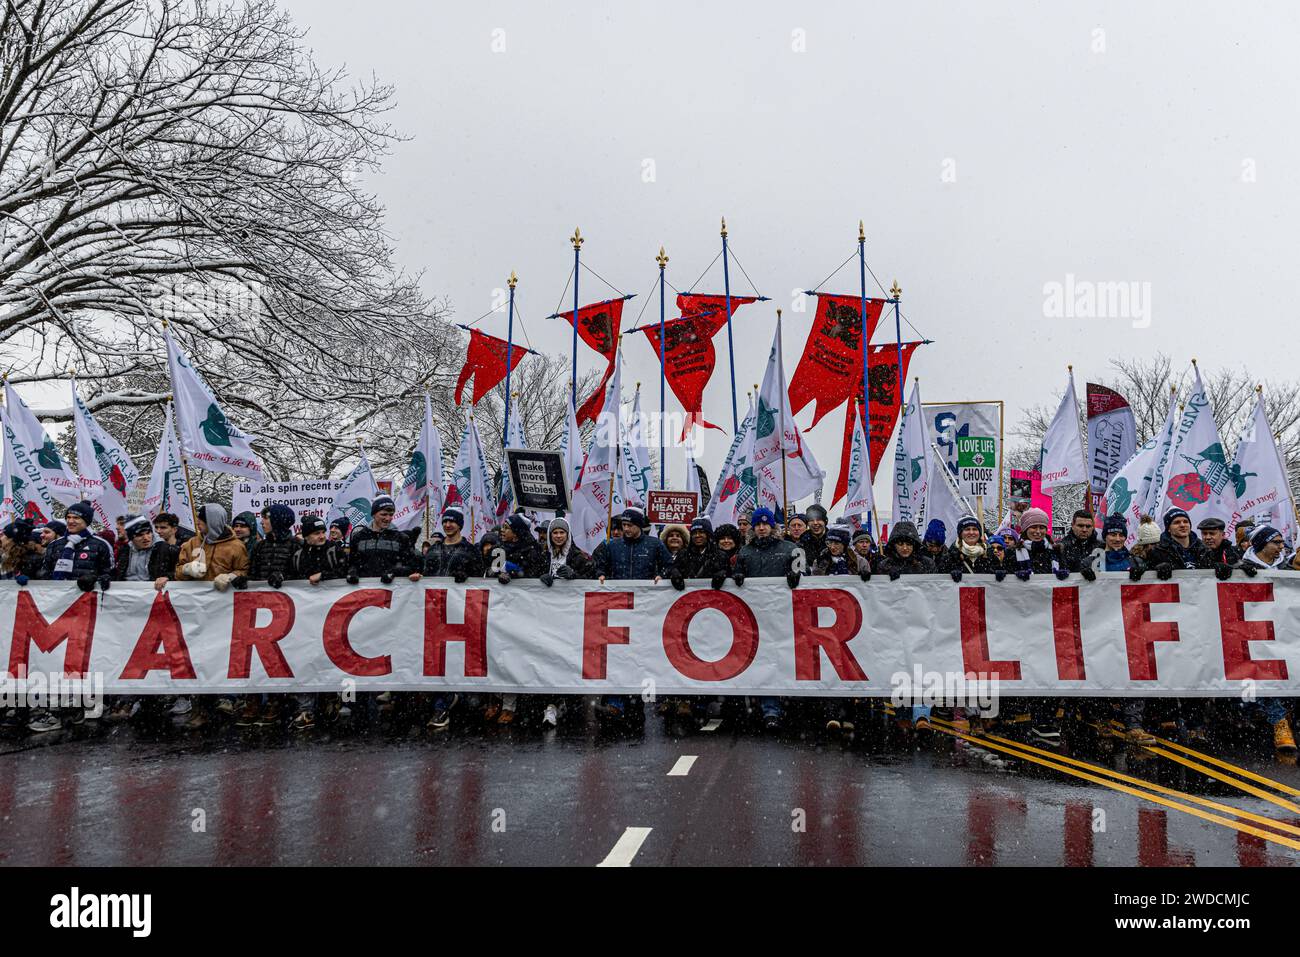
683	766
626	847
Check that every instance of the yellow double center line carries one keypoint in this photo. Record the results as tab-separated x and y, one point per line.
1146	790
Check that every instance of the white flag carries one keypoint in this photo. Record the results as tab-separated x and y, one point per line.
1124	495
207	436
775	432
1199	480
636	476
1061	456
514	440
911	462
942	500
167	491
353	498
1112	434
596	497
108	476
1152	490
34	450
25	492
421	487
1263	491
861	498
470	486
736	492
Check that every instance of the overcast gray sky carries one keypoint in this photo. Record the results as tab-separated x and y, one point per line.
991	149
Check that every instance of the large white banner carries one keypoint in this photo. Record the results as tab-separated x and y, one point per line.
1190	635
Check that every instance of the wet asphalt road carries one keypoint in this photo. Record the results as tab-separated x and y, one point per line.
517	796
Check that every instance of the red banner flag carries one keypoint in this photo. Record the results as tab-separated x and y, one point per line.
688	352
598	326
883	381
485	360
830	369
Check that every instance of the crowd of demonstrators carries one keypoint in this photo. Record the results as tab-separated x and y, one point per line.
231	553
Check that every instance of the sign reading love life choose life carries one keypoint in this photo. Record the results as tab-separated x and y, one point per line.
1191	635
968	436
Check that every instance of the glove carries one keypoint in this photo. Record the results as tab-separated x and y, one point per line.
1165	572
386	578
222	582
104	582
865	574
678	582
1088	573
20	579
513	570
1250	571
504	578
1222	572
895	574
956	574
717	580
548	579
792	579
275	580
565	572
738	578
1135	573
459	577
1088	567
240	582
1023	575
1061	574
353	579
86	582
999	574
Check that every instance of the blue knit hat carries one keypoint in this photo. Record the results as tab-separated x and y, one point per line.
763	516
1115	523
1174	513
936	532
453	514
83	509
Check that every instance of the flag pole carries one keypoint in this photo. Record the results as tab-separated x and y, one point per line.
185	459
510	348
72	378
618	440
780	367
866	351
731	352
577	260
896	294
662	260
1087	479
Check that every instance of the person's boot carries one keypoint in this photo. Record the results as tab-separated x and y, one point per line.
1135	734
1283	739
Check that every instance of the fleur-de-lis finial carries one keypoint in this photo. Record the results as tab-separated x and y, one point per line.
862	231
897	291
513	280
577	238
724	226
662	259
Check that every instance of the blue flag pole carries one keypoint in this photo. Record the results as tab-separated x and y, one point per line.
731	352
896	295
662	260
577	258
510	349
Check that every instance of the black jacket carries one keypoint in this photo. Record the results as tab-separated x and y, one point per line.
1074	550
389	552
526	554
692	562
271	556
1169	552
1040	558
162	561
914	564
91	556
328	559
577	559
766	558
1225	554
445	561
985	564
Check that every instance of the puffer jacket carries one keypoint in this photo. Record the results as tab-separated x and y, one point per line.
446	561
1225	554
1039	558
849	563
1075	550
1169	552
692	562
639	559
90	556
225	556
328	559
984	564
914	564
768	557
271	556
372	554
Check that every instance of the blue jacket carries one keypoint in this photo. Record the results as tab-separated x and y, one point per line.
623	559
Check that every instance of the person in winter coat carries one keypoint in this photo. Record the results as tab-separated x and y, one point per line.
1219	553
452	555
933	544
634	557
79	556
701	558
902	553
1179	547
768	556
271	555
244	526
315	559
147	557
214	554
170	530
796	526
674	538
728	538
379	550
24	556
524	558
1035	555
1080	542
813	541
564	560
340	531
838	558
969	554
1117	557
996	547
